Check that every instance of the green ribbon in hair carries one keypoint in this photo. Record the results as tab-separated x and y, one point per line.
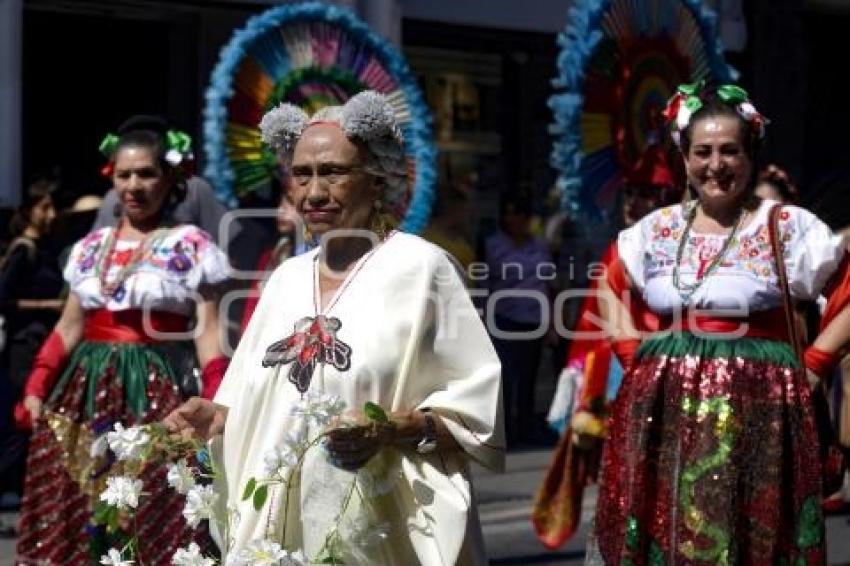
178	141
108	145
691	92
732	94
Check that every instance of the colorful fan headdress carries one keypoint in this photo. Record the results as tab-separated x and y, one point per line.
311	55
620	61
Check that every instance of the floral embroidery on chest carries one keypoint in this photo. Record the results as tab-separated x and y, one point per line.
314	339
177	257
751	252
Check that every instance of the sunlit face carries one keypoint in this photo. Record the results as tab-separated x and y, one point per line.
717	164
328	186
42	215
141	183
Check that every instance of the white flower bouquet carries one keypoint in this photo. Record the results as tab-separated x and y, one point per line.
346	541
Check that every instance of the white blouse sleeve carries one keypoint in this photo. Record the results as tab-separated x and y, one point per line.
812	252
631	247
83	257
212	265
69	273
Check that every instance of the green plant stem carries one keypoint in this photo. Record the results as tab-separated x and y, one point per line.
343	509
289	481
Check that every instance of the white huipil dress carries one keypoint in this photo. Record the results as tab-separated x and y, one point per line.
416	341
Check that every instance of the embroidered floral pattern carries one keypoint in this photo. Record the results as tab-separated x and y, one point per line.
176	257
313	341
751	253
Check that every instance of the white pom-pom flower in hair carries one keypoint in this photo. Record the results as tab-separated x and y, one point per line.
683	117
281	126
369	116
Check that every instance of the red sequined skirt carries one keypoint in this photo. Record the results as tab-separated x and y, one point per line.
712	458
104	384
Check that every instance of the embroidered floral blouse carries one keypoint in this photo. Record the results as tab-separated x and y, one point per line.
746	277
166	276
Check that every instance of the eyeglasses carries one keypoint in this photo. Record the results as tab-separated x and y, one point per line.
329	174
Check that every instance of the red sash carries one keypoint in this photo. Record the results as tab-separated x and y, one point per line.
768	324
134	325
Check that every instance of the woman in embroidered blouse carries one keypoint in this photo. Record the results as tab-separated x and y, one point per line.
713	456
102	364
392	324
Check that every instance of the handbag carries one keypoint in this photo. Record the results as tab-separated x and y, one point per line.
833	463
563	401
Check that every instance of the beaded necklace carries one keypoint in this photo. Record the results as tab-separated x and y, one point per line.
687	290
104	262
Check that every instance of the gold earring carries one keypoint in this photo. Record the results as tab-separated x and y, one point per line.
305	233
380	226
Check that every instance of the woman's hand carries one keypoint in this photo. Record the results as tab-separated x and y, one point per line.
350	447
198	418
34	405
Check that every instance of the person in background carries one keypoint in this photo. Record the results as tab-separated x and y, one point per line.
103	365
199	207
74	223
775	184
290	243
30	303
591	375
449	225
517	264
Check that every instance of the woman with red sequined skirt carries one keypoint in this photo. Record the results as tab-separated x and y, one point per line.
106	363
713	457
713	453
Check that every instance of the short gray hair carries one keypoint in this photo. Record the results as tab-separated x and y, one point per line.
367	117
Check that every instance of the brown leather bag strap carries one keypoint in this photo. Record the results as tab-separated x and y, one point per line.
779	265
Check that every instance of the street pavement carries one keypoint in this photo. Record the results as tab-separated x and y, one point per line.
504	503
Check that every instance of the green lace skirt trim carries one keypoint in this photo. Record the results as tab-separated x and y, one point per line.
678	344
131	364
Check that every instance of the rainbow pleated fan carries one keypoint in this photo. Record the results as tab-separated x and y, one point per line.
619	62
312	55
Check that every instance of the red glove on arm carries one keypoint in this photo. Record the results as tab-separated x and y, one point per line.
212	374
820	362
45	371
625	351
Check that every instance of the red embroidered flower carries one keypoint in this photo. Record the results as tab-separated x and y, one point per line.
785	215
665	232
122	257
313	341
